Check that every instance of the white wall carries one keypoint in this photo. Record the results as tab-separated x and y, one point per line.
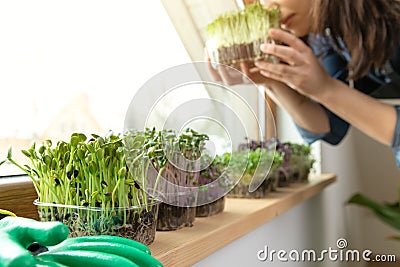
379	180
316	223
297	228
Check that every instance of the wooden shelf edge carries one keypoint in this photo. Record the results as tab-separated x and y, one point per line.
187	246
17	195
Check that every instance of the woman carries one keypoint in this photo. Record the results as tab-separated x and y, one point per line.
354	41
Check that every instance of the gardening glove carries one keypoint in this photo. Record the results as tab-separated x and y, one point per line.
101	250
17	234
79	251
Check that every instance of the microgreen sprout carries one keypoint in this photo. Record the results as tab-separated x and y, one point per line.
175	157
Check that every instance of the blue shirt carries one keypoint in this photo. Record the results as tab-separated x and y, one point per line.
334	60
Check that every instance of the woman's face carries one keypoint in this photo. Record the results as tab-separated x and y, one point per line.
295	15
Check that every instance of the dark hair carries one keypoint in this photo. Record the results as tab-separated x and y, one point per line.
369	28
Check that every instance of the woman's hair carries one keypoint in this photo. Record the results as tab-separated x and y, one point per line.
369	28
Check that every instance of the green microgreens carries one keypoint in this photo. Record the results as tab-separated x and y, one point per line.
90	173
243	27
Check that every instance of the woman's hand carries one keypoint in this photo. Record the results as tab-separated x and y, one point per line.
299	68
240	73
304	74
226	74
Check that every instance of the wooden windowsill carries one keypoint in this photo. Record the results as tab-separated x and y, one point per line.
187	246
17	195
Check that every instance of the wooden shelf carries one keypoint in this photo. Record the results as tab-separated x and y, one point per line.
187	246
17	195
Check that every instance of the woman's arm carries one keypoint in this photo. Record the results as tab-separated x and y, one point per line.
376	119
305	113
305	75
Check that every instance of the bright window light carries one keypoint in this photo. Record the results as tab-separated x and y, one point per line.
75	65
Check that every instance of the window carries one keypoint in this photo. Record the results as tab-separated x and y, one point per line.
75	65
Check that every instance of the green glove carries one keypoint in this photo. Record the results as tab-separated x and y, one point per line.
17	234
102	250
79	251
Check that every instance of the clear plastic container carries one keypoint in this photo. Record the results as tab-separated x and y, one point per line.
284	176
179	208
211	209
137	223
174	217
241	189
301	167
249	52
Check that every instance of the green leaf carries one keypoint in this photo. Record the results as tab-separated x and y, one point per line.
9	154
74	140
95	136
26	153
82	137
100	153
41	150
33	147
3	162
395	238
28	167
385	212
100	140
48	143
47	160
